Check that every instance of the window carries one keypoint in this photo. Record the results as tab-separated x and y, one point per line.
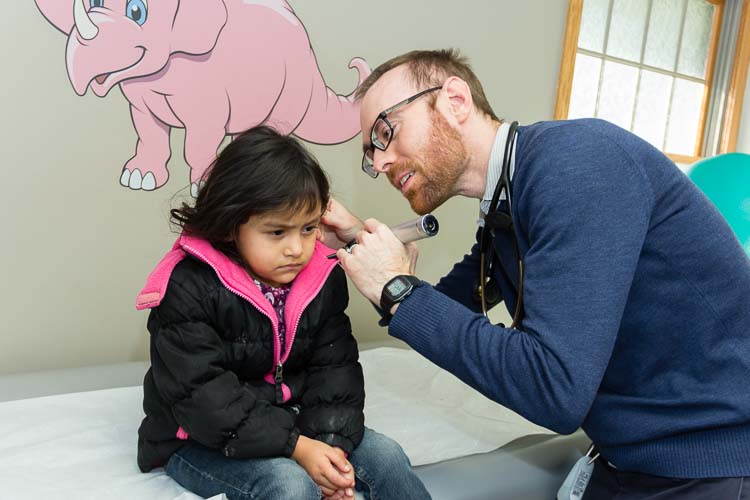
671	71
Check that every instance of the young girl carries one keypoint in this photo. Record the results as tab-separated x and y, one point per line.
255	390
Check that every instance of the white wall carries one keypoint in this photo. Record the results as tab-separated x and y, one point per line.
77	246
743	137
71	255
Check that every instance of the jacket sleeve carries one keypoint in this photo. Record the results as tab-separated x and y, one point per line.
334	396
208	401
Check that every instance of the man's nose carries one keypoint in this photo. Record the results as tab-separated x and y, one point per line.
382	160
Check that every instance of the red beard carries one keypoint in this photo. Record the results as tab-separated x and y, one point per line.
436	177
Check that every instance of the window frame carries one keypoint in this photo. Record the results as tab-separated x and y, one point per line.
733	109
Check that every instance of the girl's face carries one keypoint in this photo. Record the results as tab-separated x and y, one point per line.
276	246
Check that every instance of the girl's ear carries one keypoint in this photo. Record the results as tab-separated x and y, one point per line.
231	237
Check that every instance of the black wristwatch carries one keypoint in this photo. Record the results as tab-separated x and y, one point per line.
396	290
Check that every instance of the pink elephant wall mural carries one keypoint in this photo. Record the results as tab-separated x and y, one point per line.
212	67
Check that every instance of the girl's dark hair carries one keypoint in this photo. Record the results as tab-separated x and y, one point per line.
260	171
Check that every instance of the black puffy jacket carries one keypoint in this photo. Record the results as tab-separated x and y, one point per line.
216	372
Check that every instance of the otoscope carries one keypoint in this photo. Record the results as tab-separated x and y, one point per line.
422	227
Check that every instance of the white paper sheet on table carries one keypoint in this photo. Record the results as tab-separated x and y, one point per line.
77	446
430	412
83	445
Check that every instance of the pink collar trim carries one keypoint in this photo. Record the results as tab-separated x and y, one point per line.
305	286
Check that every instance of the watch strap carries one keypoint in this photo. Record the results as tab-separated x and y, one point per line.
387	302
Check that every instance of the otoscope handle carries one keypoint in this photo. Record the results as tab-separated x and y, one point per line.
425	226
422	227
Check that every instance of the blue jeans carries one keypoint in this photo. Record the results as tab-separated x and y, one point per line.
381	468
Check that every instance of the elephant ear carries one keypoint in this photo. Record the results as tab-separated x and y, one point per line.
59	13
197	25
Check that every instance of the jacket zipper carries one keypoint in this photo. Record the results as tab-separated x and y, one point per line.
278	378
279	375
309	299
277	354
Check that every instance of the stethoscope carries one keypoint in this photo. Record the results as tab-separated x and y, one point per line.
488	290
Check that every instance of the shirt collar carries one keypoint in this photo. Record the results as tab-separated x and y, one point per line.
495	168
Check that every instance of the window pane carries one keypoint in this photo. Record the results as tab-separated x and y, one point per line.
695	38
652	108
585	86
593	24
663	34
618	93
684	117
626	29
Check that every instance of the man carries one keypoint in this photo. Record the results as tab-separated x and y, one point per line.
631	295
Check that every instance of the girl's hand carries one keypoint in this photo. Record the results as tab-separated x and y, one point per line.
327	466
347	493
339	495
337	225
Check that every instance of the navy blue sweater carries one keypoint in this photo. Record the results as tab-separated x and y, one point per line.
637	307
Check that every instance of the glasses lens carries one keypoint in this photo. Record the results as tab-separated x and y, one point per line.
381	134
367	165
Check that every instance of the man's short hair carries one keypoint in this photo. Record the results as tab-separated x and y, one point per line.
430	68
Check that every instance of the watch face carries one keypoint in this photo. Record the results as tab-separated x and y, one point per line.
397	287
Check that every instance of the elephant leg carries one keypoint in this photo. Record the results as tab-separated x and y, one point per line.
205	122
147	170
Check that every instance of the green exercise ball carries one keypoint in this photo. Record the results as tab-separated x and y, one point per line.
725	179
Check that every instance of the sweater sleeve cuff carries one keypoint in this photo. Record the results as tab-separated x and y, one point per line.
419	316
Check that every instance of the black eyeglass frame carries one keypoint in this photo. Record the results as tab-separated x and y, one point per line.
367	165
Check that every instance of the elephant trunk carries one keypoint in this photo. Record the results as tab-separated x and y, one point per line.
86	27
332	118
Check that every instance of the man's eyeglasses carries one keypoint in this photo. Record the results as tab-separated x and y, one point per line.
381	132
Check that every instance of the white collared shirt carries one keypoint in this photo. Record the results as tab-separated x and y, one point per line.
495	168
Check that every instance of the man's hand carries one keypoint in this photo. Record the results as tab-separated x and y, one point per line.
377	257
337	225
327	466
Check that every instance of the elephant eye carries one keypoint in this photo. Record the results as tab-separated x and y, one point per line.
96	3
135	10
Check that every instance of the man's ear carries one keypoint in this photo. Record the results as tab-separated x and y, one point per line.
460	101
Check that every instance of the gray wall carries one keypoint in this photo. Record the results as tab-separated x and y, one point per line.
78	246
515	48
743	138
